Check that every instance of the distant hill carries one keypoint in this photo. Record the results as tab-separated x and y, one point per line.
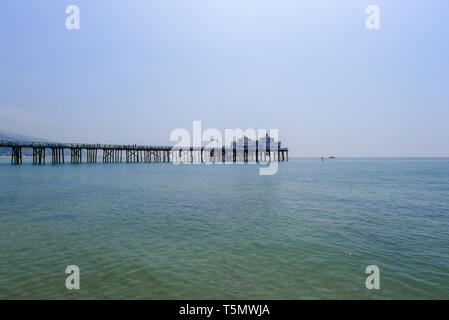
8	136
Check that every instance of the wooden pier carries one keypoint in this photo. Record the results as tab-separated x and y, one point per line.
244	152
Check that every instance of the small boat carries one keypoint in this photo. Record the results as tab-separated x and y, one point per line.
331	157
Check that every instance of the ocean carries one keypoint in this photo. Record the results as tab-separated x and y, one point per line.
164	231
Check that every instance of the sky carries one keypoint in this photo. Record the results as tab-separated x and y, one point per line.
136	70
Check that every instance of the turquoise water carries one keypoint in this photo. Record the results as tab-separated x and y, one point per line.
160	231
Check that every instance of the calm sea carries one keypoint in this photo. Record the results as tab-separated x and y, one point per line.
160	231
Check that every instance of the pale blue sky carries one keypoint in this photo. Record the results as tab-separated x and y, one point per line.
136	70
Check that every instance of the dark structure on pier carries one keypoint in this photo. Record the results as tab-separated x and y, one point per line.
243	150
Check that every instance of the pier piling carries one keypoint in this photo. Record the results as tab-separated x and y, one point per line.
57	155
16	155
77	155
92	155
38	155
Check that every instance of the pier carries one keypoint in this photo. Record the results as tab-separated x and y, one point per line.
245	151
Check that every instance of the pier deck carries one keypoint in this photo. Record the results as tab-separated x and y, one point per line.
143	153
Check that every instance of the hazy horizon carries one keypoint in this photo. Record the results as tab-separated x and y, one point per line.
135	71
